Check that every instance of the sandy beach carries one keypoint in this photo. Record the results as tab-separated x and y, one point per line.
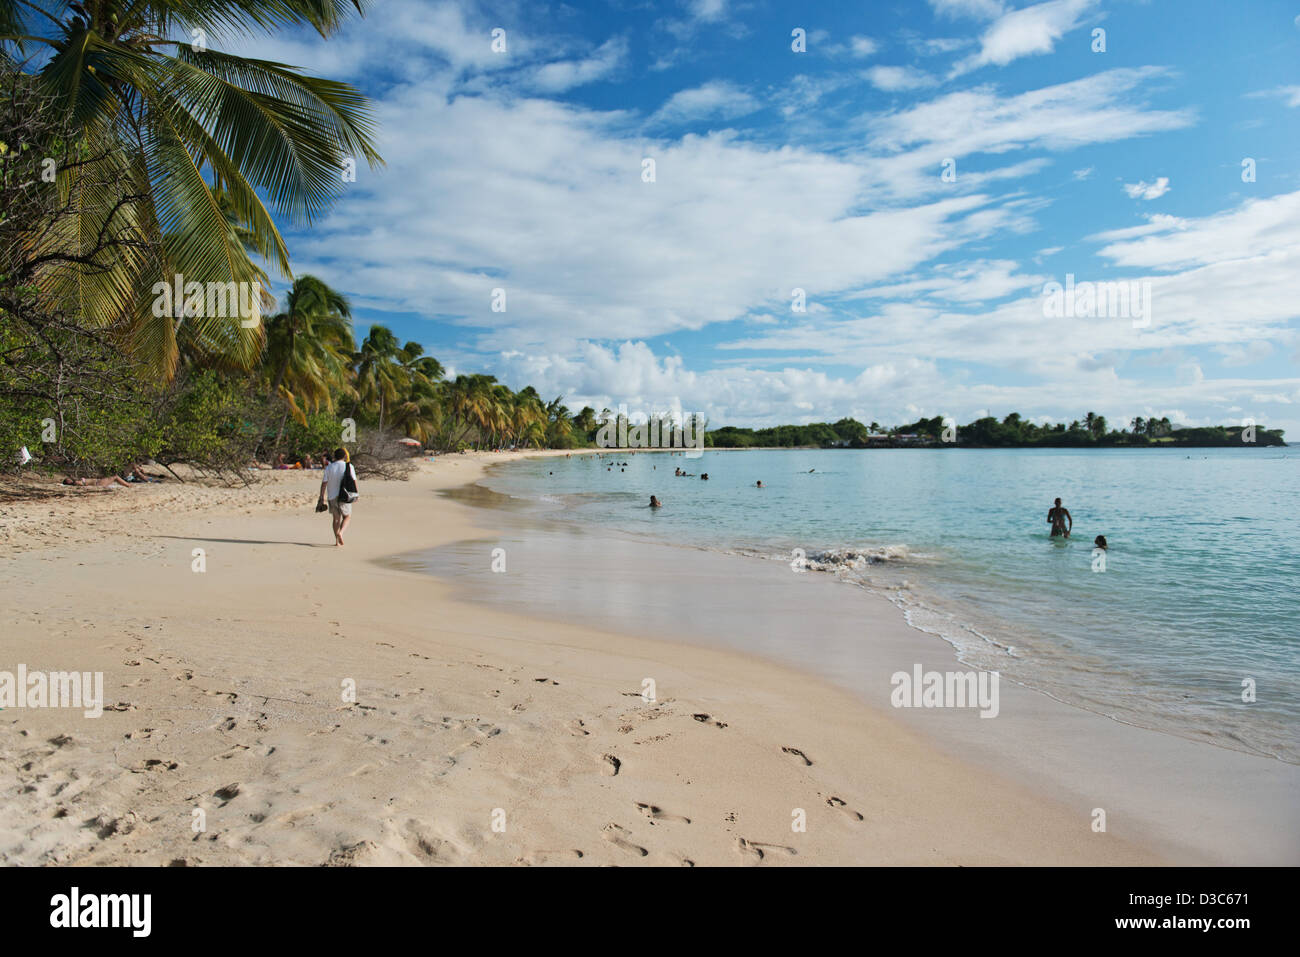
477	736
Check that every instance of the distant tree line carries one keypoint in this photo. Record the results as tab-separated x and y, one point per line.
1011	432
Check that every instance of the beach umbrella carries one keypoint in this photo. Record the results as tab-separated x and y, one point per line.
414	442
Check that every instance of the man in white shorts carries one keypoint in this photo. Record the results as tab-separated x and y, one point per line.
330	488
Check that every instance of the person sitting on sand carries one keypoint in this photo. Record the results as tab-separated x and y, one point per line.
111	481
655	503
1057	516
1100	542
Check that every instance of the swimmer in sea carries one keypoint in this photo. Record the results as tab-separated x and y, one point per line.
655	503
1100	542
1057	516
759	484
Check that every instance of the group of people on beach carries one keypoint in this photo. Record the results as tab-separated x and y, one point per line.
282	461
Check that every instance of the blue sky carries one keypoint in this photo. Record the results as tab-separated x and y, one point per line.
821	170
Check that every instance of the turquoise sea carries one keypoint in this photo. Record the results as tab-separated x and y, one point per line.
1196	606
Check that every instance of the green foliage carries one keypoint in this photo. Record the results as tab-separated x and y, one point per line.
210	422
319	433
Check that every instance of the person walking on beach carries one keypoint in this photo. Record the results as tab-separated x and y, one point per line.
1057	516
337	474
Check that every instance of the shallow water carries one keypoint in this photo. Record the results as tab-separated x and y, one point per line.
1197	596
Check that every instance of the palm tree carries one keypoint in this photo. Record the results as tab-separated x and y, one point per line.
472	401
380	376
421	369
585	421
182	126
309	347
559	424
422	412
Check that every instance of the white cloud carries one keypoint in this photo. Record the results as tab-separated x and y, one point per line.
1244	354
709	11
1026	32
563	75
863	46
891	78
1144	190
717	99
1082	174
1156	223
1290	94
980	9
1095	109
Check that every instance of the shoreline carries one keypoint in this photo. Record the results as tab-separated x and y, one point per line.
224	690
905	613
1172	787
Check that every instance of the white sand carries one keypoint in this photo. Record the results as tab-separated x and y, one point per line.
228	685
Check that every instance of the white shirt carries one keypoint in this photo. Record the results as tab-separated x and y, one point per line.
332	477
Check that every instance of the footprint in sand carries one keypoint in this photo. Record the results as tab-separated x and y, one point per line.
799	754
350	854
156	764
753	852
533	858
618	836
577	728
839	805
609	764
658	814
227	794
705	718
